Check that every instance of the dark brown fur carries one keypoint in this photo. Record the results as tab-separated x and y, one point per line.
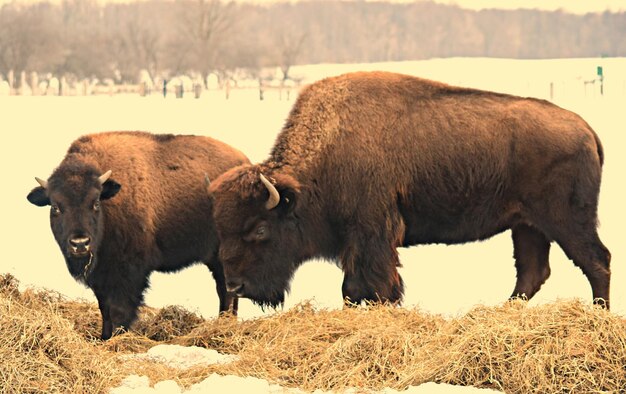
368	162
159	220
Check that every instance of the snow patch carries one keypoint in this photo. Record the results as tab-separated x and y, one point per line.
235	384
132	384
183	357
215	383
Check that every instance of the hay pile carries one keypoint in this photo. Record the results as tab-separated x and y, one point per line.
41	351
49	343
567	346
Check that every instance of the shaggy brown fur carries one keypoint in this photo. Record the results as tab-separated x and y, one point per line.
152	214
368	162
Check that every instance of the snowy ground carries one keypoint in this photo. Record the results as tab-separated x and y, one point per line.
36	132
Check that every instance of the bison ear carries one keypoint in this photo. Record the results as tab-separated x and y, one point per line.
109	189
289	191
39	197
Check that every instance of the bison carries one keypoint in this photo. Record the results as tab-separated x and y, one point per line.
124	204
371	161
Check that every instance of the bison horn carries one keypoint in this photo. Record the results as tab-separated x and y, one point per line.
103	178
274	198
43	183
207	181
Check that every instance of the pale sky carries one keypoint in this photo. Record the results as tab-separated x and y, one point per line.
574	6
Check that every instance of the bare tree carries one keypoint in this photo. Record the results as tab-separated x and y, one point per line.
136	41
290	46
85	40
203	27
28	39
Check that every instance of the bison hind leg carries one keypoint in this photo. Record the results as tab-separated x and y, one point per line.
571	220
573	225
593	258
531	250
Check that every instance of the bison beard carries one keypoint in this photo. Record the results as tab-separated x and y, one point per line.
80	267
152	214
369	162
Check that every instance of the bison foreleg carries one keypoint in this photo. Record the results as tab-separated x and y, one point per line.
229	303
117	316
107	325
119	300
373	278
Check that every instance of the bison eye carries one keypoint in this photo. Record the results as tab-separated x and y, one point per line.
259	233
96	205
56	211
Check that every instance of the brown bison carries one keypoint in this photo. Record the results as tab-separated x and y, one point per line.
367	162
124	204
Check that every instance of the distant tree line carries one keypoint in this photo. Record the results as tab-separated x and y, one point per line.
84	39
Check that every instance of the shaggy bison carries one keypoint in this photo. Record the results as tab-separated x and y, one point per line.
124	204
367	162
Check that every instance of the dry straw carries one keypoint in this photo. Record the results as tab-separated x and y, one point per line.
47	345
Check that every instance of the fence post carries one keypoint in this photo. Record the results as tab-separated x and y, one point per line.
11	80
260	89
34	83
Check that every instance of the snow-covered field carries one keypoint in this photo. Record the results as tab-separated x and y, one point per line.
36	132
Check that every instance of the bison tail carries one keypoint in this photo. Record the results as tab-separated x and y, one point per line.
599	147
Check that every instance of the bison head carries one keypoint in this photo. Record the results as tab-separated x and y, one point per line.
74	194
261	242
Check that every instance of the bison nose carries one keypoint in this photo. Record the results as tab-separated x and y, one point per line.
234	286
80	244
